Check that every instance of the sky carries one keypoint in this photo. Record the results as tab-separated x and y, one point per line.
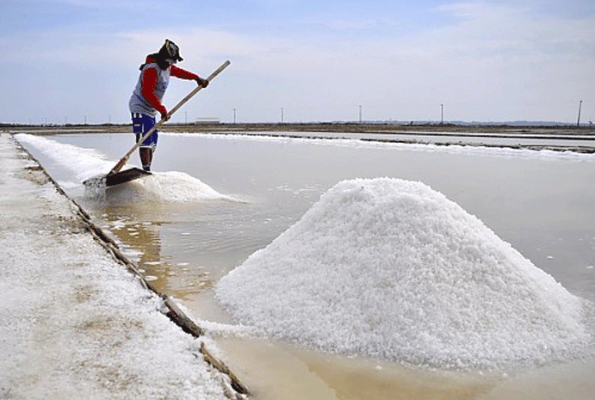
76	61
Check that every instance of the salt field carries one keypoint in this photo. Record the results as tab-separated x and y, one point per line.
467	268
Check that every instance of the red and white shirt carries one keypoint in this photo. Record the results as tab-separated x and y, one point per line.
151	86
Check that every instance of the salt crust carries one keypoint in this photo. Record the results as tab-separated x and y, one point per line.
419	147
392	269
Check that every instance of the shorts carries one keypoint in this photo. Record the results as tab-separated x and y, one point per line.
141	124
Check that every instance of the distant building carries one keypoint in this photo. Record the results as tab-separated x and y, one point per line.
207	120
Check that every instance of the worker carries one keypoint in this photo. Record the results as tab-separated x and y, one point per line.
146	99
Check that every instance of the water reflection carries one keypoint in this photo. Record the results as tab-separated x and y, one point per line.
142	242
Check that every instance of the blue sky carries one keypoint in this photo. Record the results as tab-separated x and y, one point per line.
76	60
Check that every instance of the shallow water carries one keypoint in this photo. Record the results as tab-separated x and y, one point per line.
540	203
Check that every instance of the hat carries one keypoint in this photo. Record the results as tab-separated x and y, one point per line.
170	52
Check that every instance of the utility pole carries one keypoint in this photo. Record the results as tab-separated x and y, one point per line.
234	115
578	122
281	114
441	114
360	114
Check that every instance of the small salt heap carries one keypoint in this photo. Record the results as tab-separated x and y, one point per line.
164	187
392	269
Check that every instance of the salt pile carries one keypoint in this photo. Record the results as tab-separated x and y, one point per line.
161	187
394	270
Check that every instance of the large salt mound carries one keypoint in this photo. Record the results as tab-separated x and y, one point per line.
394	270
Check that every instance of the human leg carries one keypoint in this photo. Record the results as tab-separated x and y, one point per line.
141	124
146	157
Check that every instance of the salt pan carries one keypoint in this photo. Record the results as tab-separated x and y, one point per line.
392	269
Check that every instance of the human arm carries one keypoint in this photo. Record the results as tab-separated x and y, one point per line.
149	83
183	74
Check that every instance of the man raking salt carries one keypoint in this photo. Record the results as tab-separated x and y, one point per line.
145	103
146	99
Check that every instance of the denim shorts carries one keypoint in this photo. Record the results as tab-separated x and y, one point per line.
141	124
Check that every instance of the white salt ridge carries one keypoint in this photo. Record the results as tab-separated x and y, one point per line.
419	147
84	162
394	270
166	187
